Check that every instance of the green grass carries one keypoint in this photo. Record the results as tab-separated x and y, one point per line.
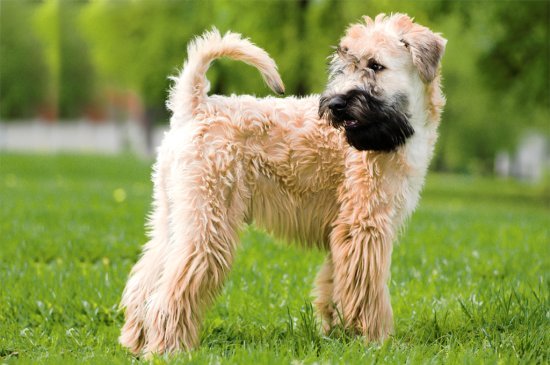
470	277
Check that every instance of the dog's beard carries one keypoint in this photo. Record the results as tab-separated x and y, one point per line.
369	122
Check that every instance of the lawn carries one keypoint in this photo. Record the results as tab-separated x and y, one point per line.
470	276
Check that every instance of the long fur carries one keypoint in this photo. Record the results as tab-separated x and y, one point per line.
231	160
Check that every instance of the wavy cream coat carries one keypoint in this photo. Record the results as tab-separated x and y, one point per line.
274	162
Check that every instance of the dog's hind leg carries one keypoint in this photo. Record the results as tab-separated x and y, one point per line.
147	270
209	202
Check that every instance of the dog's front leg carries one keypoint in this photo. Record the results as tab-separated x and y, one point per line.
323	294
361	246
148	269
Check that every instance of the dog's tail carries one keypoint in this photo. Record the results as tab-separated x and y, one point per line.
191	86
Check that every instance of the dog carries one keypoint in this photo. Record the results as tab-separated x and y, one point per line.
341	171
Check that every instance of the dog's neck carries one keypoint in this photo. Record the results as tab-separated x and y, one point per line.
408	164
425	117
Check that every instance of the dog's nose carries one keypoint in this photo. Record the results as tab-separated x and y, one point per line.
337	104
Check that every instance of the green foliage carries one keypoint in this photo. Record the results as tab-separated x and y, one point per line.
469	135
496	76
76	76
138	44
495	68
517	57
44	62
23	74
469	279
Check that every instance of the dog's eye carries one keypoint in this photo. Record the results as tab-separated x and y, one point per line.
375	66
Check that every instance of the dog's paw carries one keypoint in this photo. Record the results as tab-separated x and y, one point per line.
169	328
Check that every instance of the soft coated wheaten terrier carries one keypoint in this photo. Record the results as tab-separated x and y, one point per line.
340	171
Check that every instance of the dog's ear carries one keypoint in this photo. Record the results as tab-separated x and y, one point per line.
426	47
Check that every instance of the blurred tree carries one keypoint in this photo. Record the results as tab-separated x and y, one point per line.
516	59
71	82
23	72
46	20
138	44
76	73
469	132
496	67
497	79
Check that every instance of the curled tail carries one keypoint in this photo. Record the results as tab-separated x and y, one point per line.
191	86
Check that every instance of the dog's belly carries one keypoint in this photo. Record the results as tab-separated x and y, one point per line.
304	219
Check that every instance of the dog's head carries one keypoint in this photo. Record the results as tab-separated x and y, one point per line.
378	81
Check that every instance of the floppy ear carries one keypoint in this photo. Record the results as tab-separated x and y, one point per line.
426	49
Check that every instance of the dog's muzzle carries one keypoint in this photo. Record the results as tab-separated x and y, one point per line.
370	123
338	105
